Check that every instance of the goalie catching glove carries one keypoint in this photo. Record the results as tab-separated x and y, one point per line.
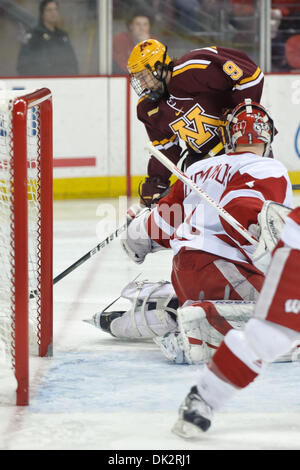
136	241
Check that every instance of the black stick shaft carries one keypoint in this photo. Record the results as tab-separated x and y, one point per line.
87	256
91	253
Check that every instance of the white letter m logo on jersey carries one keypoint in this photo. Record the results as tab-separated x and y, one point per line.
292	306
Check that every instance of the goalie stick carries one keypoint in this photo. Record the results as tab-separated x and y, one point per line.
186	180
85	257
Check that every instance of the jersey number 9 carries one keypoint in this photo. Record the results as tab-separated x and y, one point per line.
232	70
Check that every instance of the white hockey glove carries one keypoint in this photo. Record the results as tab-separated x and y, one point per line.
136	241
261	257
271	221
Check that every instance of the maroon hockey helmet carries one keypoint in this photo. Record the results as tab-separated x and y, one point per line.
249	123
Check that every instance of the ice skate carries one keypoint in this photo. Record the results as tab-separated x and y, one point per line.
103	320
194	416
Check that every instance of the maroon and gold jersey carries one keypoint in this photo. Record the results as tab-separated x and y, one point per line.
205	82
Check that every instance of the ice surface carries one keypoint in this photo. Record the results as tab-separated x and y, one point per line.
97	392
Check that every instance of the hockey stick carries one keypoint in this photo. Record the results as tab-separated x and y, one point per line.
186	180
85	257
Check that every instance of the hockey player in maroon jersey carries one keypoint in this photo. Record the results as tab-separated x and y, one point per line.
273	331
182	100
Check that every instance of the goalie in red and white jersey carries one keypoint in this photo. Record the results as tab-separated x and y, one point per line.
273	331
209	255
211	260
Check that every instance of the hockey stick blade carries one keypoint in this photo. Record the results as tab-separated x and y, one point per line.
186	180
85	257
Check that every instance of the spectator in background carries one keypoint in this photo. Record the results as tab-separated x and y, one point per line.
138	29
247	7
292	52
287	7
282	43
47	49
188	13
284	21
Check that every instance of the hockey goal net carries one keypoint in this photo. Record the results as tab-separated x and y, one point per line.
25	234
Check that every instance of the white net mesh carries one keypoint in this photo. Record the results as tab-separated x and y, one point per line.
6	229
34	223
7	269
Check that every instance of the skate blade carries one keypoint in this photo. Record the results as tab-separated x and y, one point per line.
92	322
187	430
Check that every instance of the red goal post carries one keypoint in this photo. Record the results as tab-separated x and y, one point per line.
26	232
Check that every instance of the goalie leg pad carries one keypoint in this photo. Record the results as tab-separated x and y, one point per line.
152	312
203	325
201	329
137	324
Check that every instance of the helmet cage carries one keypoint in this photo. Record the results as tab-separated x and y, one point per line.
153	93
136	84
248	124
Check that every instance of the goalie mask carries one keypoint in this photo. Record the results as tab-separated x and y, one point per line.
148	65
248	124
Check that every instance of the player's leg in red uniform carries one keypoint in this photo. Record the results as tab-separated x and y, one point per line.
272	332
